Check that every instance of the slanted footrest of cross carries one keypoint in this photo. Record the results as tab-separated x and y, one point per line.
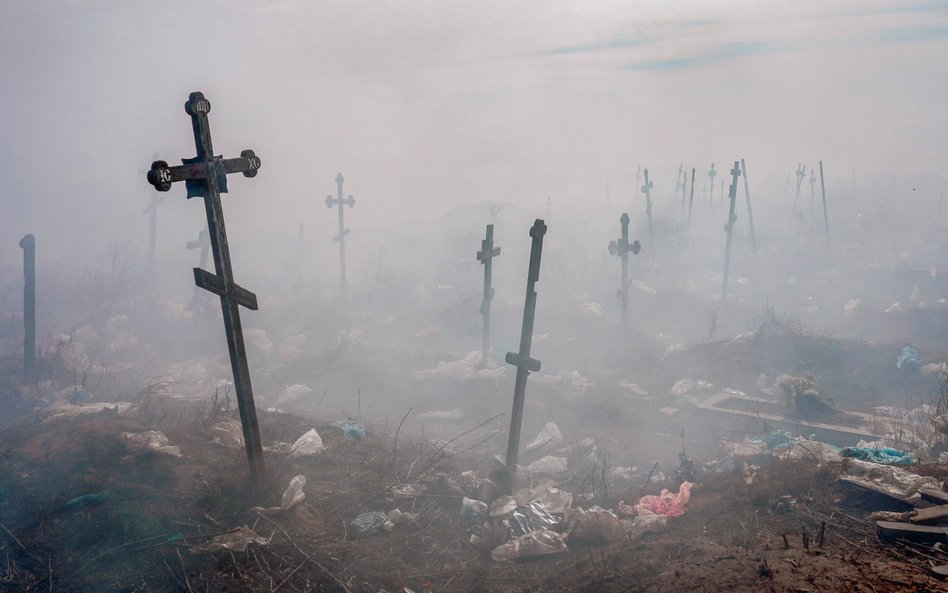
214	283
531	364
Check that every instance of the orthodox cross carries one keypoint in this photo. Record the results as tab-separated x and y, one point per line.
647	190
826	221
343	231
711	174
28	243
152	211
729	227
691	200
486	256
522	359
800	173
682	182
622	248
205	176
750	214
203	242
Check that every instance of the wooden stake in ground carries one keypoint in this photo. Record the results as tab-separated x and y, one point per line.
622	248
826	221
691	200
28	243
152	211
486	256
750	213
800	173
647	190
711	175
205	176
522	359
343	231
729	227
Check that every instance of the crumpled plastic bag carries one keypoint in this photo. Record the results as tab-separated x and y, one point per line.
908	357
234	541
350	429
228	432
536	543
807	450
883	455
549	465
308	444
151	440
594	525
644	522
397	517
887	479
366	524
940	423
65	409
667	503
549	435
292	496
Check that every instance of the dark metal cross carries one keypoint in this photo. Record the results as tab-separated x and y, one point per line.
152	211
522	359
343	231
622	248
712	174
750	214
729	227
647	190
205	176
486	256
28	243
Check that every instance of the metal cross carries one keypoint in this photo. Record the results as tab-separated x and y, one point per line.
205	176
750	214
729	227
711	174
622	248
343	231
522	359
28	243
800	173
152	210
647	190
486	256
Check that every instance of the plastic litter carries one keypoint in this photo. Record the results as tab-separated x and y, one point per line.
883	455
151	440
667	503
887	479
455	414
644	522
368	523
308	444
549	435
548	465
292	393
472	509
292	496
594	525
351	430
807	450
536	543
397	517
908	357
87	500
940	423
234	541
65	409
228	432
503	507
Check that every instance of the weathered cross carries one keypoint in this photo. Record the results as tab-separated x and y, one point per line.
750	214
205	176
682	183
826	220
152	211
486	256
800	173
647	190
203	242
622	248
522	359
343	231
729	227
711	175
28	243
812	188
691	200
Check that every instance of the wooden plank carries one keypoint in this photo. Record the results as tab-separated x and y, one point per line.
931	515
923	534
934	496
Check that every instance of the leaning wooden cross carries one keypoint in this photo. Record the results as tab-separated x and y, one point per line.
343	231
729	227
622	248
205	176
750	213
647	190
28	243
522	359
486	256
800	173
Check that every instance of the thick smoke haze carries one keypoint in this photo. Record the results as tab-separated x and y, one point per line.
427	106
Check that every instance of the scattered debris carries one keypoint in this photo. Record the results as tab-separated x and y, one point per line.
151	440
233	541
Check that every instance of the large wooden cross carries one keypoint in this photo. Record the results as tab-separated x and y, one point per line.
522	359
622	248
647	190
205	176
28	243
343	231
486	256
729	227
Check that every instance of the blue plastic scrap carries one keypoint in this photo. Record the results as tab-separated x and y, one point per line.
882	455
908	356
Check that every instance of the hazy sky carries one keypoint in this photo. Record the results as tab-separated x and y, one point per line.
425	105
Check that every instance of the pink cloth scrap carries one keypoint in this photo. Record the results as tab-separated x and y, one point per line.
667	503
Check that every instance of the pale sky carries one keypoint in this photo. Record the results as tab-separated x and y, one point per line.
427	105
